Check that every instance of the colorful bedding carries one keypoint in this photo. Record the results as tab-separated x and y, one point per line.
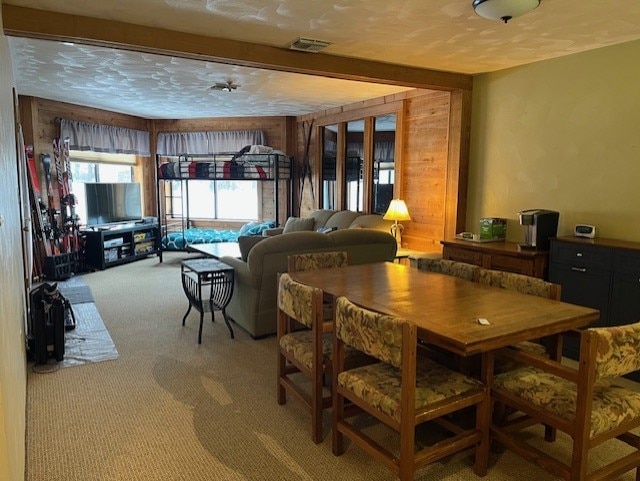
180	240
226	166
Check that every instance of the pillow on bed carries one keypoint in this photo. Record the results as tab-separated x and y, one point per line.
295	224
256	228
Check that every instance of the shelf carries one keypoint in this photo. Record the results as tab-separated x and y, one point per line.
101	254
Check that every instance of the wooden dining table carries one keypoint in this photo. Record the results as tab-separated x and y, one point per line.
460	316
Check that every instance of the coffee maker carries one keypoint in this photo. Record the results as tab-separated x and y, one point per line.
540	225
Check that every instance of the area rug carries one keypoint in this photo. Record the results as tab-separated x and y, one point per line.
90	341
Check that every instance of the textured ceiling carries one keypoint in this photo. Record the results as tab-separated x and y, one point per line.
435	34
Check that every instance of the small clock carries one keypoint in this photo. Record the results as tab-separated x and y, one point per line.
584	230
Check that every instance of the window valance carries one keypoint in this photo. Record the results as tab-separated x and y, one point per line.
178	143
104	138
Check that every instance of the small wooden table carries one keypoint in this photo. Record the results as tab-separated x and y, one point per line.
198	273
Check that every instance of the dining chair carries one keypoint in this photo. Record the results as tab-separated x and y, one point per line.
588	402
401	391
552	347
462	270
304	351
319	260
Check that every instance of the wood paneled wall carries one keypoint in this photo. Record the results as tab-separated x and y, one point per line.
431	171
39	125
40	128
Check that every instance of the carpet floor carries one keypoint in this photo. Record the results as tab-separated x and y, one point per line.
170	409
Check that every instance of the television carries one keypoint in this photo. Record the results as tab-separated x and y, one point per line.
109	203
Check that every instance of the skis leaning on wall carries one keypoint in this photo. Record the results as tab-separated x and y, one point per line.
69	221
52	211
41	227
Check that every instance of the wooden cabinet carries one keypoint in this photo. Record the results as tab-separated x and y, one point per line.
121	244
599	273
503	256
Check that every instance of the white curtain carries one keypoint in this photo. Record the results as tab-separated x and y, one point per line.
178	143
104	138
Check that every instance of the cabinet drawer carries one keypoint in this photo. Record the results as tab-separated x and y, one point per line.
627	261
462	255
511	264
581	255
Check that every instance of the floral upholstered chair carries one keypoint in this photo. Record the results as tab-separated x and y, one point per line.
525	285
587	403
305	351
319	260
401	391
462	270
520	283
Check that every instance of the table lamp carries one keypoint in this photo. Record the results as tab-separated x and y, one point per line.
397	211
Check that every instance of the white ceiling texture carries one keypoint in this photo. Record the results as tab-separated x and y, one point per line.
435	34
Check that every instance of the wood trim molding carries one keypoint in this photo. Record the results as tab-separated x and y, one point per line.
43	24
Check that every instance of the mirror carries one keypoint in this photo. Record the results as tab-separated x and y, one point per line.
329	165
384	136
354	155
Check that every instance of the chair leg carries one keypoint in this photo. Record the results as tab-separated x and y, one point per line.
549	434
483	424
316	409
337	438
281	365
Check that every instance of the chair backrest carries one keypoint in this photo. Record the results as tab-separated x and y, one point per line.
317	260
618	351
450	268
299	301
520	283
375	334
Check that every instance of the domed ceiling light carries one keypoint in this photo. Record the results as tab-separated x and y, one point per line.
503	10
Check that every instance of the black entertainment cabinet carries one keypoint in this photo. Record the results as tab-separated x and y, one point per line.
111	246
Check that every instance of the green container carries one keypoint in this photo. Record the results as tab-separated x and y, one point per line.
493	228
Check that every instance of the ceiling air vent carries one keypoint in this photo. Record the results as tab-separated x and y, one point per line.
308	45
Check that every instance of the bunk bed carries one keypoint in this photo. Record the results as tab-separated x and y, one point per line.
256	163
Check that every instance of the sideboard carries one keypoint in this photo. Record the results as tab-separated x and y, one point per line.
600	273
499	255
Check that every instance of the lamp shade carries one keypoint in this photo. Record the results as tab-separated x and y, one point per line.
397	211
503	10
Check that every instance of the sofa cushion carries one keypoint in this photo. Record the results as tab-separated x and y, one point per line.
342	219
321	216
372	221
296	224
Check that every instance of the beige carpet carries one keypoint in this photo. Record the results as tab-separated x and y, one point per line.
170	409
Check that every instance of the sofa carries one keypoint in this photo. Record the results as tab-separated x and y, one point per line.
253	304
328	220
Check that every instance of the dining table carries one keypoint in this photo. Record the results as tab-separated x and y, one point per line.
461	316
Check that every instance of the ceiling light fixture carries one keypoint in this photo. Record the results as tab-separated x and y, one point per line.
308	45
503	10
225	86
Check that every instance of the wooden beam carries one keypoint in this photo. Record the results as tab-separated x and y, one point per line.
42	24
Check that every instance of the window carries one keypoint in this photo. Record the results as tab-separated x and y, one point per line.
216	199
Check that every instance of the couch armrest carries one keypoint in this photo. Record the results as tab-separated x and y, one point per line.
272	232
240	268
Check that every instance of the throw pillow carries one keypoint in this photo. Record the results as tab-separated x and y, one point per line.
245	228
256	228
295	224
